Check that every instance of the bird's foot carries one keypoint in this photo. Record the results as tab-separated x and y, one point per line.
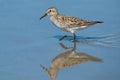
63	37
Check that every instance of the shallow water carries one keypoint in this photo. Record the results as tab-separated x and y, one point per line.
26	42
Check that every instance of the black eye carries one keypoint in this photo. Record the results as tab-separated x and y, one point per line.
50	11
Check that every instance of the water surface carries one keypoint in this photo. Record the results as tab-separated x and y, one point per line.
26	42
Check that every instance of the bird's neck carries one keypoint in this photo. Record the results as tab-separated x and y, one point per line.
54	17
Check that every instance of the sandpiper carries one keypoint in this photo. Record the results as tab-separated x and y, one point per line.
68	23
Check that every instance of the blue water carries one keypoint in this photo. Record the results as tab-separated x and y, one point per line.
26	42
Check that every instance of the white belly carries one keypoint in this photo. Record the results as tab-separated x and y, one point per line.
73	29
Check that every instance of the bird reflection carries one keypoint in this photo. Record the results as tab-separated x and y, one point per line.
67	59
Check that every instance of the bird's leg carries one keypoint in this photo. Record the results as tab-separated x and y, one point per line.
63	37
74	36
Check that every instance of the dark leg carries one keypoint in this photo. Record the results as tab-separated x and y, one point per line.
63	37
74	36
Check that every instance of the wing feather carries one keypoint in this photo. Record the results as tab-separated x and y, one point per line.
71	21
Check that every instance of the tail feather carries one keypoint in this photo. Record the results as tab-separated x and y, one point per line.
98	21
94	22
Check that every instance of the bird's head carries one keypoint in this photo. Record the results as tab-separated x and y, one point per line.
52	11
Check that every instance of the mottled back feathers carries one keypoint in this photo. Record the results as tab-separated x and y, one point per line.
71	21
